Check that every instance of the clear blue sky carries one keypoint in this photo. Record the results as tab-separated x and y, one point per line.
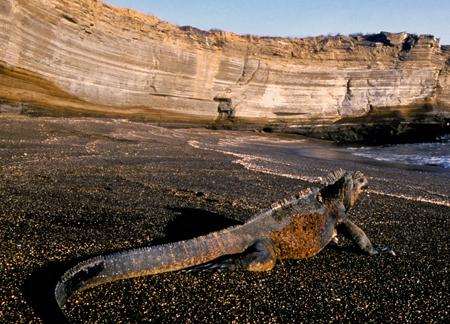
303	17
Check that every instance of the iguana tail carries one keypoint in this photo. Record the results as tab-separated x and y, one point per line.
149	260
175	256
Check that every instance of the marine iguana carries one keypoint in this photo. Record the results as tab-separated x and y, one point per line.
295	228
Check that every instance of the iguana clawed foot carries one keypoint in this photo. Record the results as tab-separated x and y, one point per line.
334	240
228	264
380	248
258	257
357	235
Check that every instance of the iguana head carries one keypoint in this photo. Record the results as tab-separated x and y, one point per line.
354	185
343	187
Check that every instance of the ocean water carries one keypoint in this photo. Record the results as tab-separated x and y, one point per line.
401	171
434	154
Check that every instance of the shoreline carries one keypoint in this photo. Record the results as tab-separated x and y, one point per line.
74	188
387	126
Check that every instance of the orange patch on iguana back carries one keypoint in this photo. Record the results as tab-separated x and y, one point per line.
302	238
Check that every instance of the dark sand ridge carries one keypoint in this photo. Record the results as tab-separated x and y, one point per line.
73	188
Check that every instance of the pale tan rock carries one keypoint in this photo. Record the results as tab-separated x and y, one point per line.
86	56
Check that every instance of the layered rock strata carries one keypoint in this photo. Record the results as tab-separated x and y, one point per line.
84	56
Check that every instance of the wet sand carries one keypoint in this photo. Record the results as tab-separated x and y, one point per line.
75	188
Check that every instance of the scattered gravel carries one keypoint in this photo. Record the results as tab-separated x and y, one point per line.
74	188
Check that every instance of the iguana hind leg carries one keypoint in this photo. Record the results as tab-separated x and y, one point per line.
357	235
260	256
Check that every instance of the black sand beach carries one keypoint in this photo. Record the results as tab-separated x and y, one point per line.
75	188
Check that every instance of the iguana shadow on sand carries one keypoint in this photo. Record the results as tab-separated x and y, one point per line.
295	228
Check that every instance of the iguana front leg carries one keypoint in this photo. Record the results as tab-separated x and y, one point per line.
260	256
357	235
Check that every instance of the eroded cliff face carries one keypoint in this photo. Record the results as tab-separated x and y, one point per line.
88	57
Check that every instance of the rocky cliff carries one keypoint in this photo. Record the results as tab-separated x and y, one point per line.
84	56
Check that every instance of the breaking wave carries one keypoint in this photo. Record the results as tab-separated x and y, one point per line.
282	158
435	154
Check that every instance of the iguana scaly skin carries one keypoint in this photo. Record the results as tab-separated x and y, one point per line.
298	227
